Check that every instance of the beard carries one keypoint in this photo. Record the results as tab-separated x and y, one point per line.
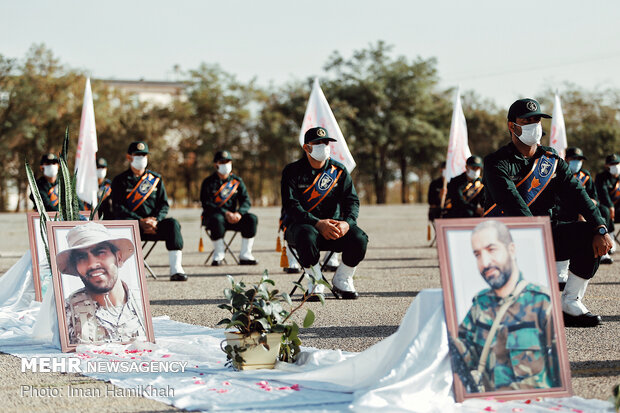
497	282
99	289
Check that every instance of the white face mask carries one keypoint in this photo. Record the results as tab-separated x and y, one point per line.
575	165
614	169
50	170
473	174
139	162
530	134
224	168
101	172
320	152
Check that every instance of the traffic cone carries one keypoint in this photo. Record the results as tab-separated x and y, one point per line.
428	232
283	258
278	244
201	246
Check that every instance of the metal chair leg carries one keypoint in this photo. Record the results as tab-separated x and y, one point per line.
145	256
227	248
303	271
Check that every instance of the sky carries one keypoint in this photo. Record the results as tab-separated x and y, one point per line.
502	50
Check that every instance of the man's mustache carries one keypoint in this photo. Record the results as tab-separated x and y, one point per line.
490	267
89	272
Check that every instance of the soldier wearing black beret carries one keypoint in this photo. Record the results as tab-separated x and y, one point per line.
320	213
465	196
139	193
225	205
524	178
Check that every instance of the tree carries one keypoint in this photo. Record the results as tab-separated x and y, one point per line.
592	121
394	114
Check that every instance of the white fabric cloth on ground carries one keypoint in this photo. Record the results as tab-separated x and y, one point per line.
408	371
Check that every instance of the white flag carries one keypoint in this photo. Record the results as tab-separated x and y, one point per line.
458	148
318	113
557	140
86	157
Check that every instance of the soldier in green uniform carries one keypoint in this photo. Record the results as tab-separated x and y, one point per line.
139	193
524	178
565	211
225	206
435	189
105	310
506	341
608	189
320	213
48	183
465	196
103	192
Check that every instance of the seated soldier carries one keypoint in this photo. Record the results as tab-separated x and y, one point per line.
435	189
321	207
464	199
524	178
103	192
565	211
48	183
139	193
225	206
608	191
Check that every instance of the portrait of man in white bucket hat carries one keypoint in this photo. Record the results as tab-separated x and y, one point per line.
105	309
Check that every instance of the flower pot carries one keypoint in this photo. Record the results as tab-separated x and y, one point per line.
256	356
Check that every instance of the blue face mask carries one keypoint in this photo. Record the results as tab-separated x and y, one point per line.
575	165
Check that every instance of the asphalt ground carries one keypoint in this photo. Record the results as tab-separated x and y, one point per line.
398	265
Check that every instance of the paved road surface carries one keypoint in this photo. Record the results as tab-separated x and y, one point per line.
398	265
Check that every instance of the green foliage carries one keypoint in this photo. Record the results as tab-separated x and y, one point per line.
68	203
260	309
391	109
395	115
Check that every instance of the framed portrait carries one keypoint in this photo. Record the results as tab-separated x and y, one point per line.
42	276
503	309
99	283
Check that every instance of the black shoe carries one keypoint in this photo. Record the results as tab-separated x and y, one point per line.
217	263
345	295
178	277
312	298
607	260
290	270
584	320
562	284
331	268
248	262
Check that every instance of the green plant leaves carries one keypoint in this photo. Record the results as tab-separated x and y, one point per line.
309	319
257	309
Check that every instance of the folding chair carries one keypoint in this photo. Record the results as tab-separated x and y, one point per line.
617	236
226	244
145	256
303	270
434	240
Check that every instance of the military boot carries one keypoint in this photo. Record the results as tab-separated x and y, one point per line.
575	312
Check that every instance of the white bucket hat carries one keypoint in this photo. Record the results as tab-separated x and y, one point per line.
85	236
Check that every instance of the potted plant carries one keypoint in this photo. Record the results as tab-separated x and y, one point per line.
264	329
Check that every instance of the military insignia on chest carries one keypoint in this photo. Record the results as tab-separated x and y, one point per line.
545	168
224	193
145	186
325	182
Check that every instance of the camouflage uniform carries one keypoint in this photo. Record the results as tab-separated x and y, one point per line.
88	322
523	353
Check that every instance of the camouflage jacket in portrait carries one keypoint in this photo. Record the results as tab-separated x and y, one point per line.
523	353
89	322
